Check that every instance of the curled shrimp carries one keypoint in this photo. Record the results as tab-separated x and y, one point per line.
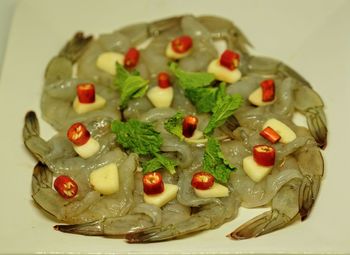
295	198
208	216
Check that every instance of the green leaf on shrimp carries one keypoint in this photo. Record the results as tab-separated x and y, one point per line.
224	107
160	161
190	80
137	136
203	98
141	138
130	85
174	125
215	163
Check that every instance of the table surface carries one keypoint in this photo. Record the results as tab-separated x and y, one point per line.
7	9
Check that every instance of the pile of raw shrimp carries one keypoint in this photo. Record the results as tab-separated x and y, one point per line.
290	189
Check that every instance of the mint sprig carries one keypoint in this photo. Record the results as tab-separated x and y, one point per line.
225	106
174	125
214	162
142	139
130	85
190	80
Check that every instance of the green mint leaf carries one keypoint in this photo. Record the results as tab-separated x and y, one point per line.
130	85
137	136
215	163
224	107
159	162
191	79
122	75
167	163
174	125
151	165
203	98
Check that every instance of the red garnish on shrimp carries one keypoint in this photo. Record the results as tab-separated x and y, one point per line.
164	80
264	155
268	90
229	59
86	93
202	180
131	58
270	134
181	44
189	125
78	134
66	186
153	183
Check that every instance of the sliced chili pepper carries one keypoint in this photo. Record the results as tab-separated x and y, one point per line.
131	58
264	155
164	80
202	180
181	44
153	183
78	134
268	90
189	125
270	134
86	93
66	186
229	59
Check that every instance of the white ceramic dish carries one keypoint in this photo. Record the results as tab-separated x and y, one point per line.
312	36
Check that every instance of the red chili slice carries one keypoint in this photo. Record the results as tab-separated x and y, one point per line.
270	134
268	90
189	125
264	155
164	80
153	183
78	134
66	186
86	93
229	59
202	180
131	58
182	44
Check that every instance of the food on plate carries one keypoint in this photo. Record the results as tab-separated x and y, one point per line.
160	134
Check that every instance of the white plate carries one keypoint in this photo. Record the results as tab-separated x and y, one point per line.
312	36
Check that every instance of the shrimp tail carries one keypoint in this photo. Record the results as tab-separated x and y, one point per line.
317	125
34	143
75	47
172	231
94	228
307	195
262	224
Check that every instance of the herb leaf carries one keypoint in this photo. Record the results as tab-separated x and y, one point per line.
174	125
191	79
203	98
224	108
215	163
142	139
137	136
159	162
130	85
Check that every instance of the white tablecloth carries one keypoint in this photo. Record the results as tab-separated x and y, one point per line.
7	8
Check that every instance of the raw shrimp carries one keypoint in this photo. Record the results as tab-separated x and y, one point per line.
89	205
295	198
306	100
290	189
208	216
58	153
60	89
